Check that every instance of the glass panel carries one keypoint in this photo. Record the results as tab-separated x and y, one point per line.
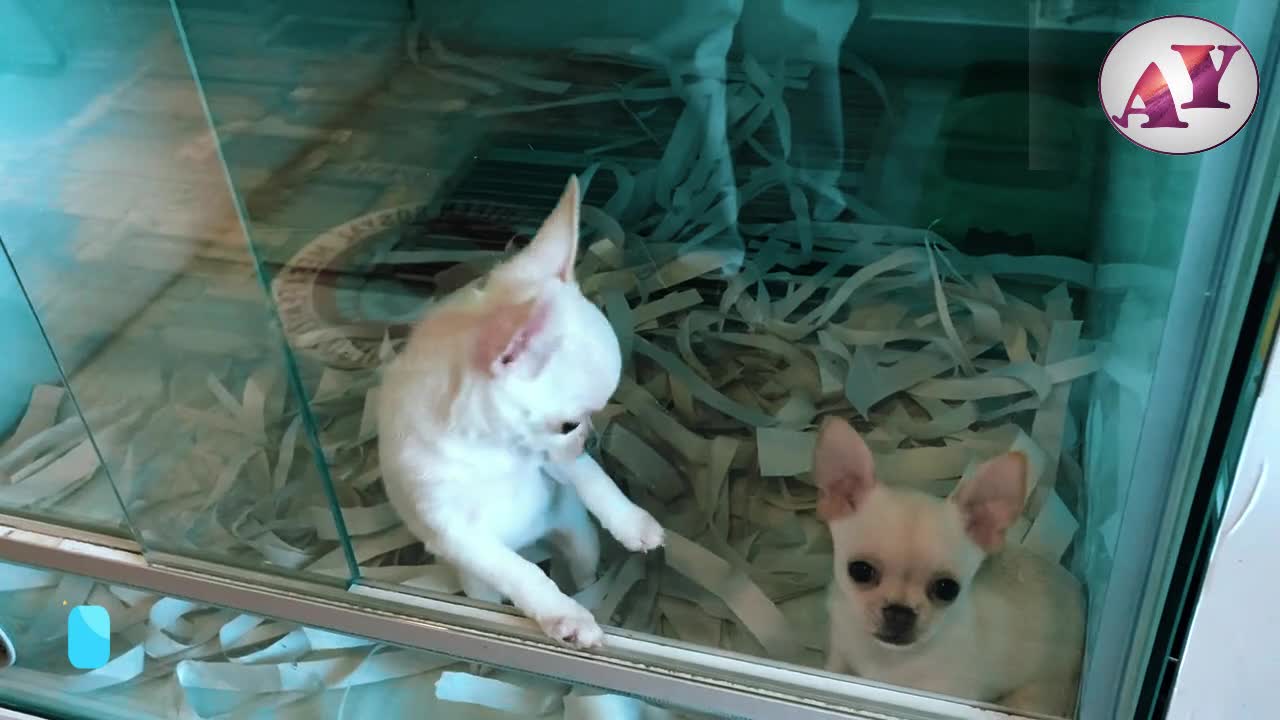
169	658
787	217
49	462
118	219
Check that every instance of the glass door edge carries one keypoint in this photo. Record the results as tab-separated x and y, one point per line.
1185	588
379	614
1258	192
245	226
1209	646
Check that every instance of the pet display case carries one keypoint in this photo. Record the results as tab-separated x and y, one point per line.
223	217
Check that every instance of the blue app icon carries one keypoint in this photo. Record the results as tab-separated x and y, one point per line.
88	637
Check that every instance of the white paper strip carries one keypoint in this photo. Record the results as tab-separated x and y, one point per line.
496	694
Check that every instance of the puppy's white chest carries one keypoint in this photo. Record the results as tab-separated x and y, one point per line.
509	498
479	489
518	508
930	671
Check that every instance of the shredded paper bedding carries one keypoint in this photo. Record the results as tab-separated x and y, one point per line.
735	349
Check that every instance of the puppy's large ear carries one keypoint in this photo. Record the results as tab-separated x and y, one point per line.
509	337
991	500
552	252
843	469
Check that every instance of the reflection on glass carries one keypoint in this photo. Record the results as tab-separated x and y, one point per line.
49	464
120	224
786	218
171	658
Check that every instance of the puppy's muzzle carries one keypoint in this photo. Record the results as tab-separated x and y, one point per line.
897	625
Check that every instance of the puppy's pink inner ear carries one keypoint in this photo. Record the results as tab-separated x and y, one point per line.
508	334
843	469
991	501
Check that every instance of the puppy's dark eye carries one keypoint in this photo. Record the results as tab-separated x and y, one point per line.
863	572
944	590
566	428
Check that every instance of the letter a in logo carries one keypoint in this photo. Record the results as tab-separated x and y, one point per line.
1157	101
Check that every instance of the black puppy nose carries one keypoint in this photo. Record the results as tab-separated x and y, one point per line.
898	617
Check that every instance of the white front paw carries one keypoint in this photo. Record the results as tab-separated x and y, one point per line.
572	625
640	533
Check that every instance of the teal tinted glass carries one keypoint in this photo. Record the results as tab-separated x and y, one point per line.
49	459
913	217
119	221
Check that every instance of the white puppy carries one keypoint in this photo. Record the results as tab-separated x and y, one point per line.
496	385
925	594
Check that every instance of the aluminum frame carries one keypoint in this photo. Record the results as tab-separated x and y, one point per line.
699	680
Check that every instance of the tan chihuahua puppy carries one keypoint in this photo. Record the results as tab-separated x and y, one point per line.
927	596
